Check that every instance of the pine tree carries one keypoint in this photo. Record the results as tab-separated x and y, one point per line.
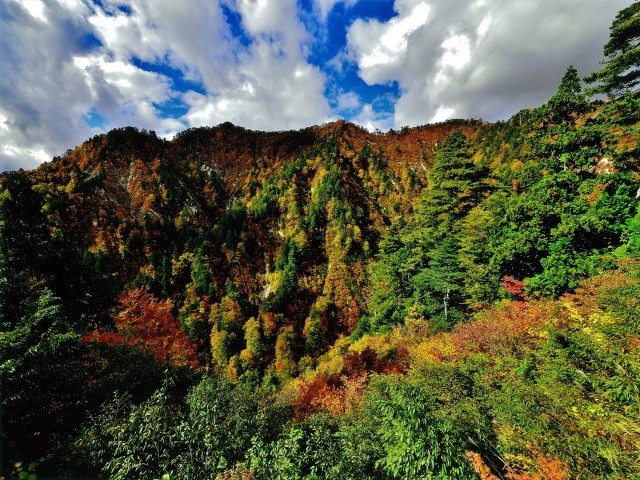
455	186
621	71
568	101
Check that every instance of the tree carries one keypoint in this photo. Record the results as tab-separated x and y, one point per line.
419	265
415	442
569	99
212	430
285	359
41	376
621	71
438	287
455	186
148	323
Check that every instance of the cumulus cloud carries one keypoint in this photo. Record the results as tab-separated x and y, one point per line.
56	75
74	68
270	85
43	97
68	60
458	58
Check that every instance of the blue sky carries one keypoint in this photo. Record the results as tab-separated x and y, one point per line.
76	68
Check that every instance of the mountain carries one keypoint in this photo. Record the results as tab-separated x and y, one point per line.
243	209
299	263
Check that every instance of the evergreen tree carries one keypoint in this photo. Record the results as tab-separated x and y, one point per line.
455	186
419	265
438	287
568	101
200	271
621	71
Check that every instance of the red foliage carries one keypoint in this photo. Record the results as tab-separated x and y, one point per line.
356	363
514	286
149	324
337	393
515	326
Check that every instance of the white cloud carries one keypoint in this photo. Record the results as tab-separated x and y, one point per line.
347	101
270	84
484	26
442	114
380	47
450	58
457	52
42	95
35	8
54	79
324	7
478	59
374	120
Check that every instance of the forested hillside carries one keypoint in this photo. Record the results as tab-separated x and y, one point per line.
458	300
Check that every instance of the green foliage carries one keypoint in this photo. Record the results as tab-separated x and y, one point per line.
622	55
420	264
39	356
438	286
213	431
200	272
416	444
568	101
307	451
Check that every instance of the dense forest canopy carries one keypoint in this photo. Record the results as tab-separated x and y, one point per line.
456	300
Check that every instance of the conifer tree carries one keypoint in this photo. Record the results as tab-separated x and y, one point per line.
568	100
420	267
621	71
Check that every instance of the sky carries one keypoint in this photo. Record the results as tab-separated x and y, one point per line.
72	69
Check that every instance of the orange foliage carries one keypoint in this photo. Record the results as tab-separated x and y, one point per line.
149	324
480	467
339	393
545	469
270	322
335	394
518	324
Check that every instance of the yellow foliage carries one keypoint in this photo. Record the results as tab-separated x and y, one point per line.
517	165
183	262
71	186
383	344
588	321
233	369
300	239
275	280
219	346
435	349
247	357
285	362
333	361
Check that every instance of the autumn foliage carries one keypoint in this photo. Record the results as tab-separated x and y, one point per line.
147	323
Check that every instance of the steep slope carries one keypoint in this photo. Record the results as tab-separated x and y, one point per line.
325	252
235	225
